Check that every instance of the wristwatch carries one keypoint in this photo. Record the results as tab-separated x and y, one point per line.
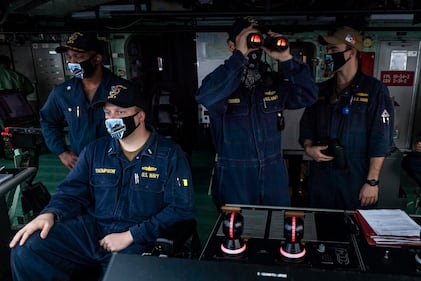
372	182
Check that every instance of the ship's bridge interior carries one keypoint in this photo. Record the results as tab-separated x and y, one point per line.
169	46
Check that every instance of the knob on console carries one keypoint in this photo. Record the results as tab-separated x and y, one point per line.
292	250
232	226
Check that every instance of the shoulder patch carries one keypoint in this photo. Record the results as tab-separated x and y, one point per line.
385	117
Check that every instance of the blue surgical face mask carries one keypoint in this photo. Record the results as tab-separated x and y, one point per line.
120	128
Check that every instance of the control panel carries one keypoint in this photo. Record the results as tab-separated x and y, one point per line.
309	239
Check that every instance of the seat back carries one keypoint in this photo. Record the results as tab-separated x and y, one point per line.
181	240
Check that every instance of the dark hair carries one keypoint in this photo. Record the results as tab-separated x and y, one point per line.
239	24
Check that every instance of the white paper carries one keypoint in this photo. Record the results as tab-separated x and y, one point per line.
394	222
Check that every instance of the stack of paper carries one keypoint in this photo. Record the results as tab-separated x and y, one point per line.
388	227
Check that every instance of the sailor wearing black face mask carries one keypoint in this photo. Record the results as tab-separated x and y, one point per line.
245	116
334	61
356	111
253	73
71	102
84	69
120	127
119	198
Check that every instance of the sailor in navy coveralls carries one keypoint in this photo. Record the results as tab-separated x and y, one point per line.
245	107
348	132
123	193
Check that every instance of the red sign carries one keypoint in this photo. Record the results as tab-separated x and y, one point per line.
397	78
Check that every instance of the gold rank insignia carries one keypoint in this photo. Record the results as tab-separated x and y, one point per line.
236	100
182	182
270	93
149	169
185	182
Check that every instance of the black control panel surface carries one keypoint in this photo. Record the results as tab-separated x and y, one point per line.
331	242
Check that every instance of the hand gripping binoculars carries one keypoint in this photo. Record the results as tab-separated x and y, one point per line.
256	40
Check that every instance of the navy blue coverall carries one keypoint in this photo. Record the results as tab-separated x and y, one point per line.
365	132
106	193
245	128
67	105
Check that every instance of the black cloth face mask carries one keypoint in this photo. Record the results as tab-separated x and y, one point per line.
84	69
335	61
252	73
119	128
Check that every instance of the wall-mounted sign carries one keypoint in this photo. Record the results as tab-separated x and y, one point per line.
397	78
398	60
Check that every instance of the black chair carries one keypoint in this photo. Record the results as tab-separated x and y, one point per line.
181	241
166	117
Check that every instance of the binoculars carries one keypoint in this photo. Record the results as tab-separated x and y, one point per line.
256	40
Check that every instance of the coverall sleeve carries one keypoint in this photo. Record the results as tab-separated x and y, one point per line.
303	90
178	197
52	121
308	125
221	83
73	192
380	125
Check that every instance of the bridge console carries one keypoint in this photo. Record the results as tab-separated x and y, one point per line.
270	243
307	239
